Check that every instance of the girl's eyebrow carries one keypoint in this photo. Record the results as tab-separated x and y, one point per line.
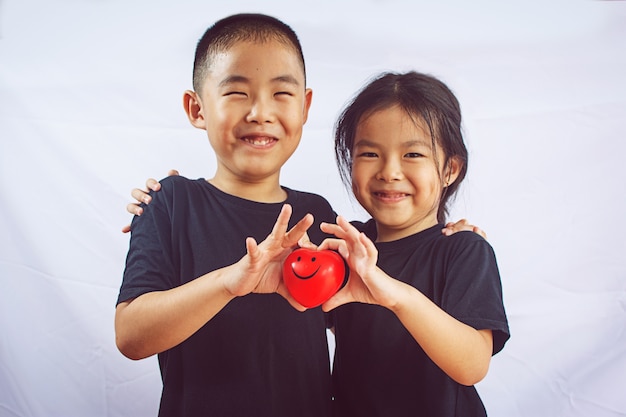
365	142
407	144
416	142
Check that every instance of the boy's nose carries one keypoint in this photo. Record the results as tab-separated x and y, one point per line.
261	111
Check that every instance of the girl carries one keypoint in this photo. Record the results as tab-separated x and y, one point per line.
421	314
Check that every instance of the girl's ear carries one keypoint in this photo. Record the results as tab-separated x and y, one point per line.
193	108
452	170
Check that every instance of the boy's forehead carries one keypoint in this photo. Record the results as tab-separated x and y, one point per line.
247	56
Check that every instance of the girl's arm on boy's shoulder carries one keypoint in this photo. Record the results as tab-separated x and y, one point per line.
143	196
159	320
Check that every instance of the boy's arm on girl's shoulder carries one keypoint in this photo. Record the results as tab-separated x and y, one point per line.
461	226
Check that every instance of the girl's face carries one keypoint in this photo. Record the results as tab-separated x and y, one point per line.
394	173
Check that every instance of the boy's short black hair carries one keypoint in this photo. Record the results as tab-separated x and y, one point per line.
226	32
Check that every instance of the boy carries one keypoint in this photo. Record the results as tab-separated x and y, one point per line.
197	289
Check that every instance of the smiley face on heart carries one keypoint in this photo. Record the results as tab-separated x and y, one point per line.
312	276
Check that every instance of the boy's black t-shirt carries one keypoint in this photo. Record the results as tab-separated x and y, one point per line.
258	356
379	369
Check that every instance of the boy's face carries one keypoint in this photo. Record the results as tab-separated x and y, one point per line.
253	105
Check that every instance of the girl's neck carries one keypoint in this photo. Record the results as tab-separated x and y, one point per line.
386	234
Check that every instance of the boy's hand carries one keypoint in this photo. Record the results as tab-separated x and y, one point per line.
462	225
143	196
260	271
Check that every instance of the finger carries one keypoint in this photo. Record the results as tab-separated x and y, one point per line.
330	228
135	209
252	248
370	248
480	231
126	228
172	172
152	184
337	245
452	228
305	242
348	228
297	232
282	222
141	196
343	231
330	243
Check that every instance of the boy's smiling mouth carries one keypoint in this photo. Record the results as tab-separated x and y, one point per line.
259	140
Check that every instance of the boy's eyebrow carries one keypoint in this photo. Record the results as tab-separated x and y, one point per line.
287	79
233	79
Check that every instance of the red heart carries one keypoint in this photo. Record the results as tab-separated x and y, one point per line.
312	276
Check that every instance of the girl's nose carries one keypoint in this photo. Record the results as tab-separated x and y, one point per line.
390	171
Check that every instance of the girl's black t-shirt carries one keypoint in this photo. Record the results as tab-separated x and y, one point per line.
379	369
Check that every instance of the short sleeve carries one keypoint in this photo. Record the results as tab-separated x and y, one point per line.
473	289
149	265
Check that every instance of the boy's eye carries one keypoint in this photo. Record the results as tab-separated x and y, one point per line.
283	93
233	93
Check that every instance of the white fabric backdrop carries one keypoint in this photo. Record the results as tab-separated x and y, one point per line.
90	106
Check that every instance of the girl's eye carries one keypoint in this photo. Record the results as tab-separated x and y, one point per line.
414	155
367	155
284	93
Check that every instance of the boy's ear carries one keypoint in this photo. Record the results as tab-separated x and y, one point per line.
193	108
453	168
308	97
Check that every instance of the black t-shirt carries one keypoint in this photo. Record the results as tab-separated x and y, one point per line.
379	369
258	356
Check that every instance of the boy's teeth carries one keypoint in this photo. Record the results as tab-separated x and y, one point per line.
259	141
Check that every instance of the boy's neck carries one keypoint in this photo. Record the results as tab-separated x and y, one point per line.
267	191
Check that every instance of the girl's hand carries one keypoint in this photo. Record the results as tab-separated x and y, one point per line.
367	283
143	196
